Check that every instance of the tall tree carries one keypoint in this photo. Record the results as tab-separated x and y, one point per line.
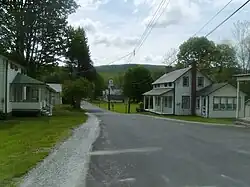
242	35
78	54
137	81
77	89
33	31
196	49
225	64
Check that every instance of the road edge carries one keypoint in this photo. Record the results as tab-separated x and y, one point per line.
191	122
35	177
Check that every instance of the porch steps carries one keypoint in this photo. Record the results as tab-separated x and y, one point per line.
242	122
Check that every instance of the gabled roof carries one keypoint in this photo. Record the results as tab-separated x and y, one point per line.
159	91
171	76
56	87
24	79
210	89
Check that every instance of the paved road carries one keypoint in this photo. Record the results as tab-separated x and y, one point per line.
141	151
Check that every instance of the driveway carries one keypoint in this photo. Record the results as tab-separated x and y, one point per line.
142	151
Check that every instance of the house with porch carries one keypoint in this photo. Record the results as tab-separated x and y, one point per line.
171	94
20	93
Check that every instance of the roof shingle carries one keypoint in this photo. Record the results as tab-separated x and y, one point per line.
24	79
157	91
211	88
171	76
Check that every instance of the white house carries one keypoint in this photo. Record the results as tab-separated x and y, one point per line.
57	96
171	94
21	93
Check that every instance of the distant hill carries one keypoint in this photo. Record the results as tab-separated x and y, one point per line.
112	71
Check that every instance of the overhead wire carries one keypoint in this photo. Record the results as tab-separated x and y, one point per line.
150	23
226	19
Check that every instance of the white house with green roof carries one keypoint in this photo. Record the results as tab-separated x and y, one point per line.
171	94
21	93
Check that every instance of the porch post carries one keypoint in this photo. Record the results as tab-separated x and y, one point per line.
144	102
161	104
39	94
153	102
24	93
149	105
237	98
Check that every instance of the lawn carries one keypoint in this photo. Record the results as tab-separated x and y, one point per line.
196	118
118	107
26	141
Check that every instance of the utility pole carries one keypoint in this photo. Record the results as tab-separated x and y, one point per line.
109	98
193	87
109	87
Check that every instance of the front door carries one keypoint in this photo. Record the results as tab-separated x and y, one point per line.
204	107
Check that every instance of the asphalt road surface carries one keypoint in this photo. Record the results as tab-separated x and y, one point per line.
142	151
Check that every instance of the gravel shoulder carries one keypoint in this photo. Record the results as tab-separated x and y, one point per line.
68	164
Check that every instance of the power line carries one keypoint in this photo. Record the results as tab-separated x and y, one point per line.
209	21
238	9
221	22
151	28
150	22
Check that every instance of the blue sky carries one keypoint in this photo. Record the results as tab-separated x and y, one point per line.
113	27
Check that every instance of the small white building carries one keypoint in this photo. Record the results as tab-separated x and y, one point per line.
21	93
57	96
171	94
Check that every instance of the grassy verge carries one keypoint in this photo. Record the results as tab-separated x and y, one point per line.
118	107
196	118
26	141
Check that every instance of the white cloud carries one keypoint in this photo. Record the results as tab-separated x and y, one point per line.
91	4
177	12
114	40
89	25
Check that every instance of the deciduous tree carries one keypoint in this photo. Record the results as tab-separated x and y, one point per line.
77	89
33	31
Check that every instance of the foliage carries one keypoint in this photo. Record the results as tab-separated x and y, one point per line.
78	54
116	72
77	90
136	82
33	32
242	47
196	49
218	61
99	86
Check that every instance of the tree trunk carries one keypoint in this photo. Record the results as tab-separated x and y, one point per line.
77	104
128	105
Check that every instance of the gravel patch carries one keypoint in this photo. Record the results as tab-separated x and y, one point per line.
68	164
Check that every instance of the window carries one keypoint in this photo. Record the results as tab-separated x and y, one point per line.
197	103
157	101
185	81
168	101
225	103
200	81
170	84
186	102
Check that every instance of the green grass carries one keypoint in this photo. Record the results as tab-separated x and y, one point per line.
196	118
26	141
118	107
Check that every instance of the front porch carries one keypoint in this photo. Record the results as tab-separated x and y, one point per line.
30	95
159	101
245	121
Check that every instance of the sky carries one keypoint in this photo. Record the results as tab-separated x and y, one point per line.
114	27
